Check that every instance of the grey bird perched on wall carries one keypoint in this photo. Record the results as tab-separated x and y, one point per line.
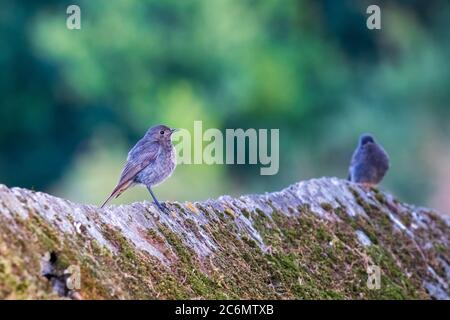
369	163
150	162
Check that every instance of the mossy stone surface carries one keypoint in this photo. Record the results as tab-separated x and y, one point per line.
299	243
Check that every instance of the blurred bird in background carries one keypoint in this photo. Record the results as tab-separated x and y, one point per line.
369	163
151	161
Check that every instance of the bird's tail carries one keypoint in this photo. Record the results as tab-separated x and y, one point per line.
114	194
117	192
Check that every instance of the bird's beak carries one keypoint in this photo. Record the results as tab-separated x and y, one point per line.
174	130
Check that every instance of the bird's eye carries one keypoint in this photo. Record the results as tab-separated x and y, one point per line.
161	132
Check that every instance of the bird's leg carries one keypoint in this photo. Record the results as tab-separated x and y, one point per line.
159	205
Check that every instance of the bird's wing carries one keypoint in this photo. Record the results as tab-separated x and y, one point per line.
353	161
142	154
381	156
357	154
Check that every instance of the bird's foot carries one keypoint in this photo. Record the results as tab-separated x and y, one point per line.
162	207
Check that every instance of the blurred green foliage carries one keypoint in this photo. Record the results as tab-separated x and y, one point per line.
74	101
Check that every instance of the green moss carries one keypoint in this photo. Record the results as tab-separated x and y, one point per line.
245	213
204	210
192	226
406	219
440	248
326	206
198	281
249	241
380	198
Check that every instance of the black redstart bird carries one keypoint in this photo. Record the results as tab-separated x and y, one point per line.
150	162
369	163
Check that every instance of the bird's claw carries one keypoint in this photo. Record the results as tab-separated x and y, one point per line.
162	207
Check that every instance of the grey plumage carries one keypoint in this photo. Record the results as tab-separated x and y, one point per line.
150	162
369	163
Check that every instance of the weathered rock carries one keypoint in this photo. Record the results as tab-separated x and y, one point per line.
314	239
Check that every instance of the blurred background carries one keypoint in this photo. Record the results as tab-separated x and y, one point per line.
74	101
